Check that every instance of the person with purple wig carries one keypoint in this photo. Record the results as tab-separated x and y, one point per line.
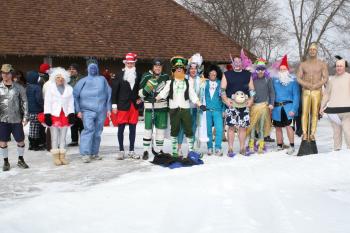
260	120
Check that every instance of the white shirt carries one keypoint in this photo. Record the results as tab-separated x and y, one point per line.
212	87
179	88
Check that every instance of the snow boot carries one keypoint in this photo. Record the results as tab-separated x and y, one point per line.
261	147
21	163
6	166
251	146
63	157
145	155
56	156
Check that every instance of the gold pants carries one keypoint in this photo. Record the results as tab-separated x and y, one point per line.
311	104
260	120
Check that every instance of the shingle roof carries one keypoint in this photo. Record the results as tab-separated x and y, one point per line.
108	29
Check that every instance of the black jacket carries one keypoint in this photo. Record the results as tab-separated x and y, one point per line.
122	93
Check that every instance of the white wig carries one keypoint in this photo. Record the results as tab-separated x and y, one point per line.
59	71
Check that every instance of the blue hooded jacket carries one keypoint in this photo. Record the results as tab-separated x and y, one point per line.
34	93
92	93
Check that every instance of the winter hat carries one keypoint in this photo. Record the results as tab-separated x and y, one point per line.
74	66
157	62
6	68
284	62
130	57
44	68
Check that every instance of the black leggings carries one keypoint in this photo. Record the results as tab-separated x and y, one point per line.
132	136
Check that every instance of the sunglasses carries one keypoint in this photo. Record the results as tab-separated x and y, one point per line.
260	69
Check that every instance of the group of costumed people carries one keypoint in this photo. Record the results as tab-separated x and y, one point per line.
248	99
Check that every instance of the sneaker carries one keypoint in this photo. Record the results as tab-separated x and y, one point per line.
133	155
145	155
243	152
218	152
210	152
279	148
269	139
73	144
120	155
96	157
6	166
231	154
86	158
22	164
290	150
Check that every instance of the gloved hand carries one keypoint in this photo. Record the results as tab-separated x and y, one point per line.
71	118
48	120
203	108
150	85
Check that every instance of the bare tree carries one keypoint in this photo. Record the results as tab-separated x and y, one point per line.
316	21
251	23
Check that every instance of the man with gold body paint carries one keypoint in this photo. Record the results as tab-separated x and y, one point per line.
312	75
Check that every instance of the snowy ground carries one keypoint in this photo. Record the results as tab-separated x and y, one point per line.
272	193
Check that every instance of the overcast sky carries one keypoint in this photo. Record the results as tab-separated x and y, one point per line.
291	45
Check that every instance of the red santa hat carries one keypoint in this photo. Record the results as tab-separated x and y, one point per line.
284	62
44	68
130	57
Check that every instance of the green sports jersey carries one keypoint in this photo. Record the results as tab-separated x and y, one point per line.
150	86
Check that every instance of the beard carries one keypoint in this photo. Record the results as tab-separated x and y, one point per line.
130	76
179	75
284	78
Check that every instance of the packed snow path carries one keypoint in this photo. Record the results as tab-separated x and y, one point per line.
268	193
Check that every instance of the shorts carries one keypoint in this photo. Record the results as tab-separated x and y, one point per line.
238	117
160	119
284	120
130	116
16	129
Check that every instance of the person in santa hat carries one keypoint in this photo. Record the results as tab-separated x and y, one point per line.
44	73
287	95
180	92
260	120
125	101
59	112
